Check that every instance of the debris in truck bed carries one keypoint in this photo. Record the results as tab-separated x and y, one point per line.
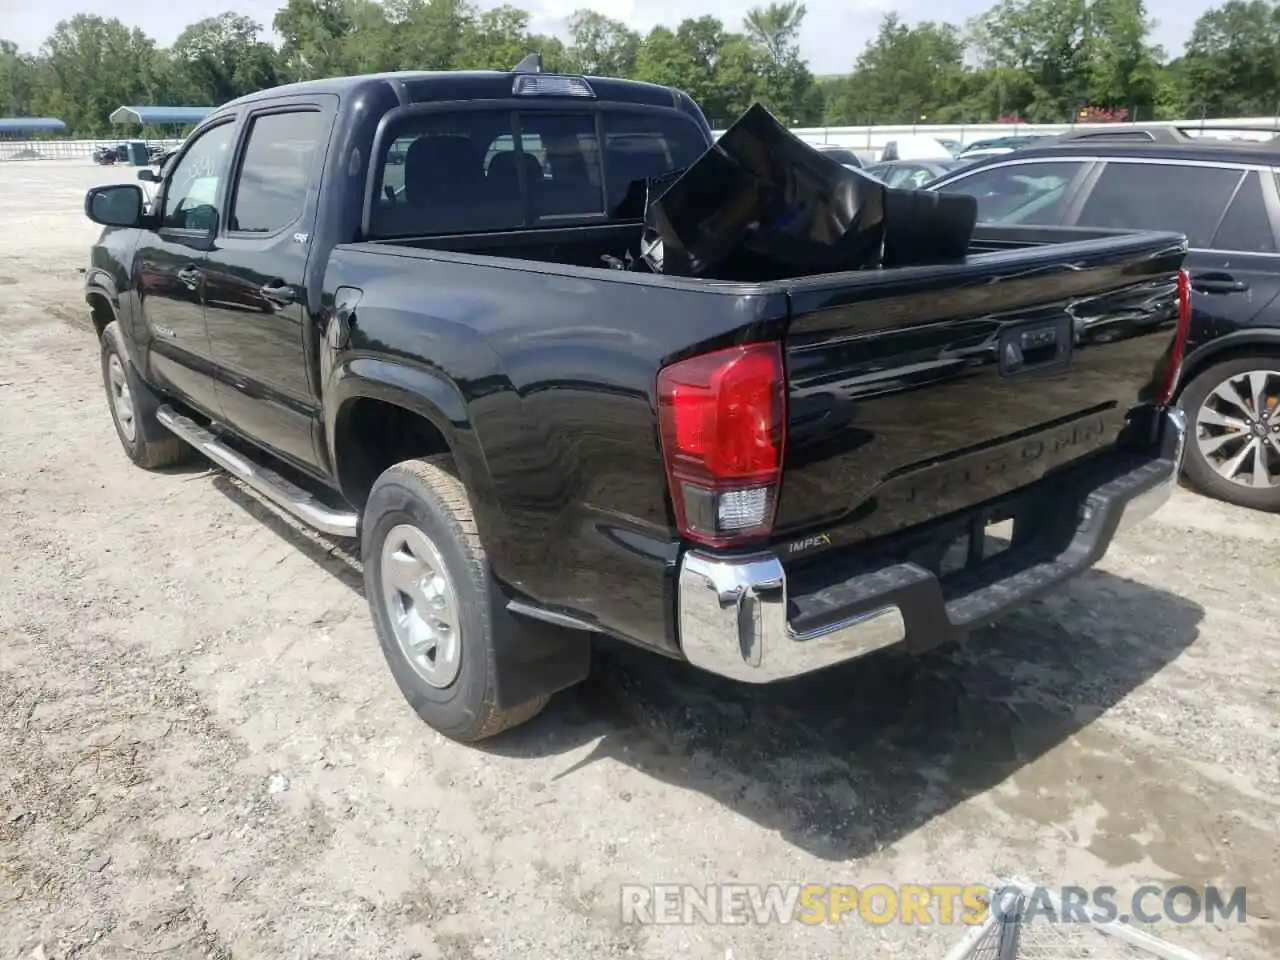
761	204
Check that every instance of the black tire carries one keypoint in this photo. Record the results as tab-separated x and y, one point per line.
150	446
427	495
1197	466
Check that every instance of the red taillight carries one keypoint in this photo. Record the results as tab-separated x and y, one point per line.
1174	367
722	418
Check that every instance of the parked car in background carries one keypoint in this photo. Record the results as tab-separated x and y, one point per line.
981	149
1223	196
916	146
912	173
839	154
1121	133
107	154
955	146
1165	133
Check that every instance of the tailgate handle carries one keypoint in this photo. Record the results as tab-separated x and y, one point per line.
1035	346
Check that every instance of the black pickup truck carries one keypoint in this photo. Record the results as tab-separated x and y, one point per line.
380	302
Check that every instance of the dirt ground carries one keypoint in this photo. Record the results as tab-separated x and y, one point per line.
202	753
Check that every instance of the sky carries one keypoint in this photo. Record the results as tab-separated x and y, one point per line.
835	31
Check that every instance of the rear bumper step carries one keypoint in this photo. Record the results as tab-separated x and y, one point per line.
264	480
736	618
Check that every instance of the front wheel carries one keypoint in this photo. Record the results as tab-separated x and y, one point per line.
426	578
1233	451
133	408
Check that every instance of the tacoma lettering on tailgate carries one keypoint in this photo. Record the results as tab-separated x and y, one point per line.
946	479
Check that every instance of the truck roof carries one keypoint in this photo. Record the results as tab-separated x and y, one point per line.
417	86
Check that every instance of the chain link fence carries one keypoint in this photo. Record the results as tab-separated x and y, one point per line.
52	149
1012	932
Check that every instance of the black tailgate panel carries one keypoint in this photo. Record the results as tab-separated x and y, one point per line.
906	402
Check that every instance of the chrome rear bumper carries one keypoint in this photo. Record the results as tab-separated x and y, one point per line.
733	613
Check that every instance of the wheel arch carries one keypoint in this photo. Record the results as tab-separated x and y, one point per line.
372	432
102	308
1242	343
381	412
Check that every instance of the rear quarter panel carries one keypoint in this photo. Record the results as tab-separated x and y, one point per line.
555	372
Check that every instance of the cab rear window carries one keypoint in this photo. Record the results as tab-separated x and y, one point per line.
476	171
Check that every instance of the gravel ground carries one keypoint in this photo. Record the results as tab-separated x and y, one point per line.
202	753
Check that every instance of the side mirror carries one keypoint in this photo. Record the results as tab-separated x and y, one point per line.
115	205
147	175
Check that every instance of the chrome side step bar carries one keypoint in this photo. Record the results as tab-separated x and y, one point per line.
288	496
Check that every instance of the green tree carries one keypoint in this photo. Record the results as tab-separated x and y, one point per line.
1040	59
907	74
1073	53
1046	41
1123	65
497	39
221	58
600	46
787	87
686	58
1231	66
17	80
89	66
369	45
741	78
314	34
426	34
776	28
725	71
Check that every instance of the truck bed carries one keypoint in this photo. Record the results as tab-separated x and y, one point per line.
586	247
898	412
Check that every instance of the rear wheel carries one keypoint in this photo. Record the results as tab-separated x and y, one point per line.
427	582
133	408
1233	452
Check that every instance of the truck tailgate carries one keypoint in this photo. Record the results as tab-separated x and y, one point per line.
925	391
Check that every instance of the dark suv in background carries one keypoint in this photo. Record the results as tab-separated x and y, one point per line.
1224	196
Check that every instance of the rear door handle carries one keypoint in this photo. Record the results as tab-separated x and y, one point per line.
190	276
281	294
1217	283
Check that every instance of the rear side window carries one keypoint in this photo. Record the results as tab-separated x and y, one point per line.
1161	196
499	170
1030	193
1246	226
271	189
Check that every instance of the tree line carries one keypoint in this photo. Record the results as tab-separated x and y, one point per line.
1029	60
